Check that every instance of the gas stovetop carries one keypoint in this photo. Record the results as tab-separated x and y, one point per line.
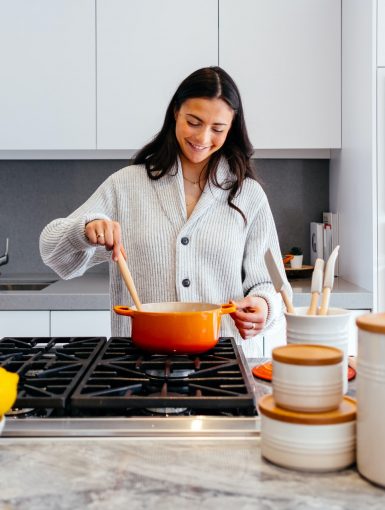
94	386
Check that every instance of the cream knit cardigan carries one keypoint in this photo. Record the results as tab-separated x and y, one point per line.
224	258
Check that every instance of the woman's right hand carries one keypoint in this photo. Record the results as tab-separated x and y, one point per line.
106	233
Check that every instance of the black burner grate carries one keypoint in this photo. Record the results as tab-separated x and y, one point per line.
49	368
123	377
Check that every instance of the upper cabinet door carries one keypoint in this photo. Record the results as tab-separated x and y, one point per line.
145	49
286	59
47	75
381	34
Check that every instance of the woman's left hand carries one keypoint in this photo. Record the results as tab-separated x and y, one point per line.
250	317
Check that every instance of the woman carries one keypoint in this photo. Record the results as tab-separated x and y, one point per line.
193	221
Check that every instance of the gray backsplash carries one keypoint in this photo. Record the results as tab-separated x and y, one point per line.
32	193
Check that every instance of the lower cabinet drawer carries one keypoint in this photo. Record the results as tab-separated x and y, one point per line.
81	323
24	323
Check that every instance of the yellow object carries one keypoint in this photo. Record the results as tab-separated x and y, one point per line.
8	390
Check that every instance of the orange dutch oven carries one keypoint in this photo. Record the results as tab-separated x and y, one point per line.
176	328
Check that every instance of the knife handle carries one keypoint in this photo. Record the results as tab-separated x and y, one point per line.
313	304
325	301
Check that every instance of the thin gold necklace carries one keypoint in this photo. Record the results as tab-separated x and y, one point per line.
195	183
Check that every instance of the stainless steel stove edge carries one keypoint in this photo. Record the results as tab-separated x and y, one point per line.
168	426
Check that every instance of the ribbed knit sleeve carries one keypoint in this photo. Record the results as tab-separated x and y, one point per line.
63	244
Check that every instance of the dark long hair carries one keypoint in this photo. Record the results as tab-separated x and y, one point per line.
160	155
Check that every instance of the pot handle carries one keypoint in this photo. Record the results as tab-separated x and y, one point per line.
228	308
123	310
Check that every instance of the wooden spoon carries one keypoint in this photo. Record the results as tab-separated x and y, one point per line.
128	280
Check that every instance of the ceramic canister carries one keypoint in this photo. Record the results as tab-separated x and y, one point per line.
331	329
307	378
308	441
371	397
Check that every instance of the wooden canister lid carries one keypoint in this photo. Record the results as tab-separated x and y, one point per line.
346	412
373	322
307	354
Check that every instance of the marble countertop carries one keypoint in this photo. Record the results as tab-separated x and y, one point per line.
90	292
96	474
139	473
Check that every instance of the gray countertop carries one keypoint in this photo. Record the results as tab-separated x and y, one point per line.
90	292
96	474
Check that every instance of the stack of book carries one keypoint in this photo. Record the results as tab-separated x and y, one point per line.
324	238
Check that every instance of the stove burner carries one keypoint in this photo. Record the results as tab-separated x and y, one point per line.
166	410
20	412
164	374
167	367
34	373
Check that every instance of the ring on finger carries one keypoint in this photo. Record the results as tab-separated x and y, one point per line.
99	235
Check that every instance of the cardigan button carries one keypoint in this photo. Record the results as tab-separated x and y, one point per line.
185	240
186	282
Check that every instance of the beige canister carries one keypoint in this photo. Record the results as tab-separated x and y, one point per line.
308	441
371	397
307	378
331	329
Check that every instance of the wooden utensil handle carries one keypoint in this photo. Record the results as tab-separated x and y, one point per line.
128	280
288	303
325	301
313	304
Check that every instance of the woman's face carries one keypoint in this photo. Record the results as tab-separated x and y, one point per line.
201	128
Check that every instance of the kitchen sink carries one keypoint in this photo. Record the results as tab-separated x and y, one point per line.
25	285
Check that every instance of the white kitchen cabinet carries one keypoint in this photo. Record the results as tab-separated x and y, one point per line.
381	33
145	49
47	75
80	323
286	59
96	84
24	323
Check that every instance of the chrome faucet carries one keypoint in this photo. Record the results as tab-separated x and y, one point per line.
4	258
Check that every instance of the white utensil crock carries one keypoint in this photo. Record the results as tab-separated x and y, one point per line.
331	329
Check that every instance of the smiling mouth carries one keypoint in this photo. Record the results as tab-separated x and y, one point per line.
195	147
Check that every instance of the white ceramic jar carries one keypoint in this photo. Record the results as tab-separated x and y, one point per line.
331	329
371	397
315	442
307	378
